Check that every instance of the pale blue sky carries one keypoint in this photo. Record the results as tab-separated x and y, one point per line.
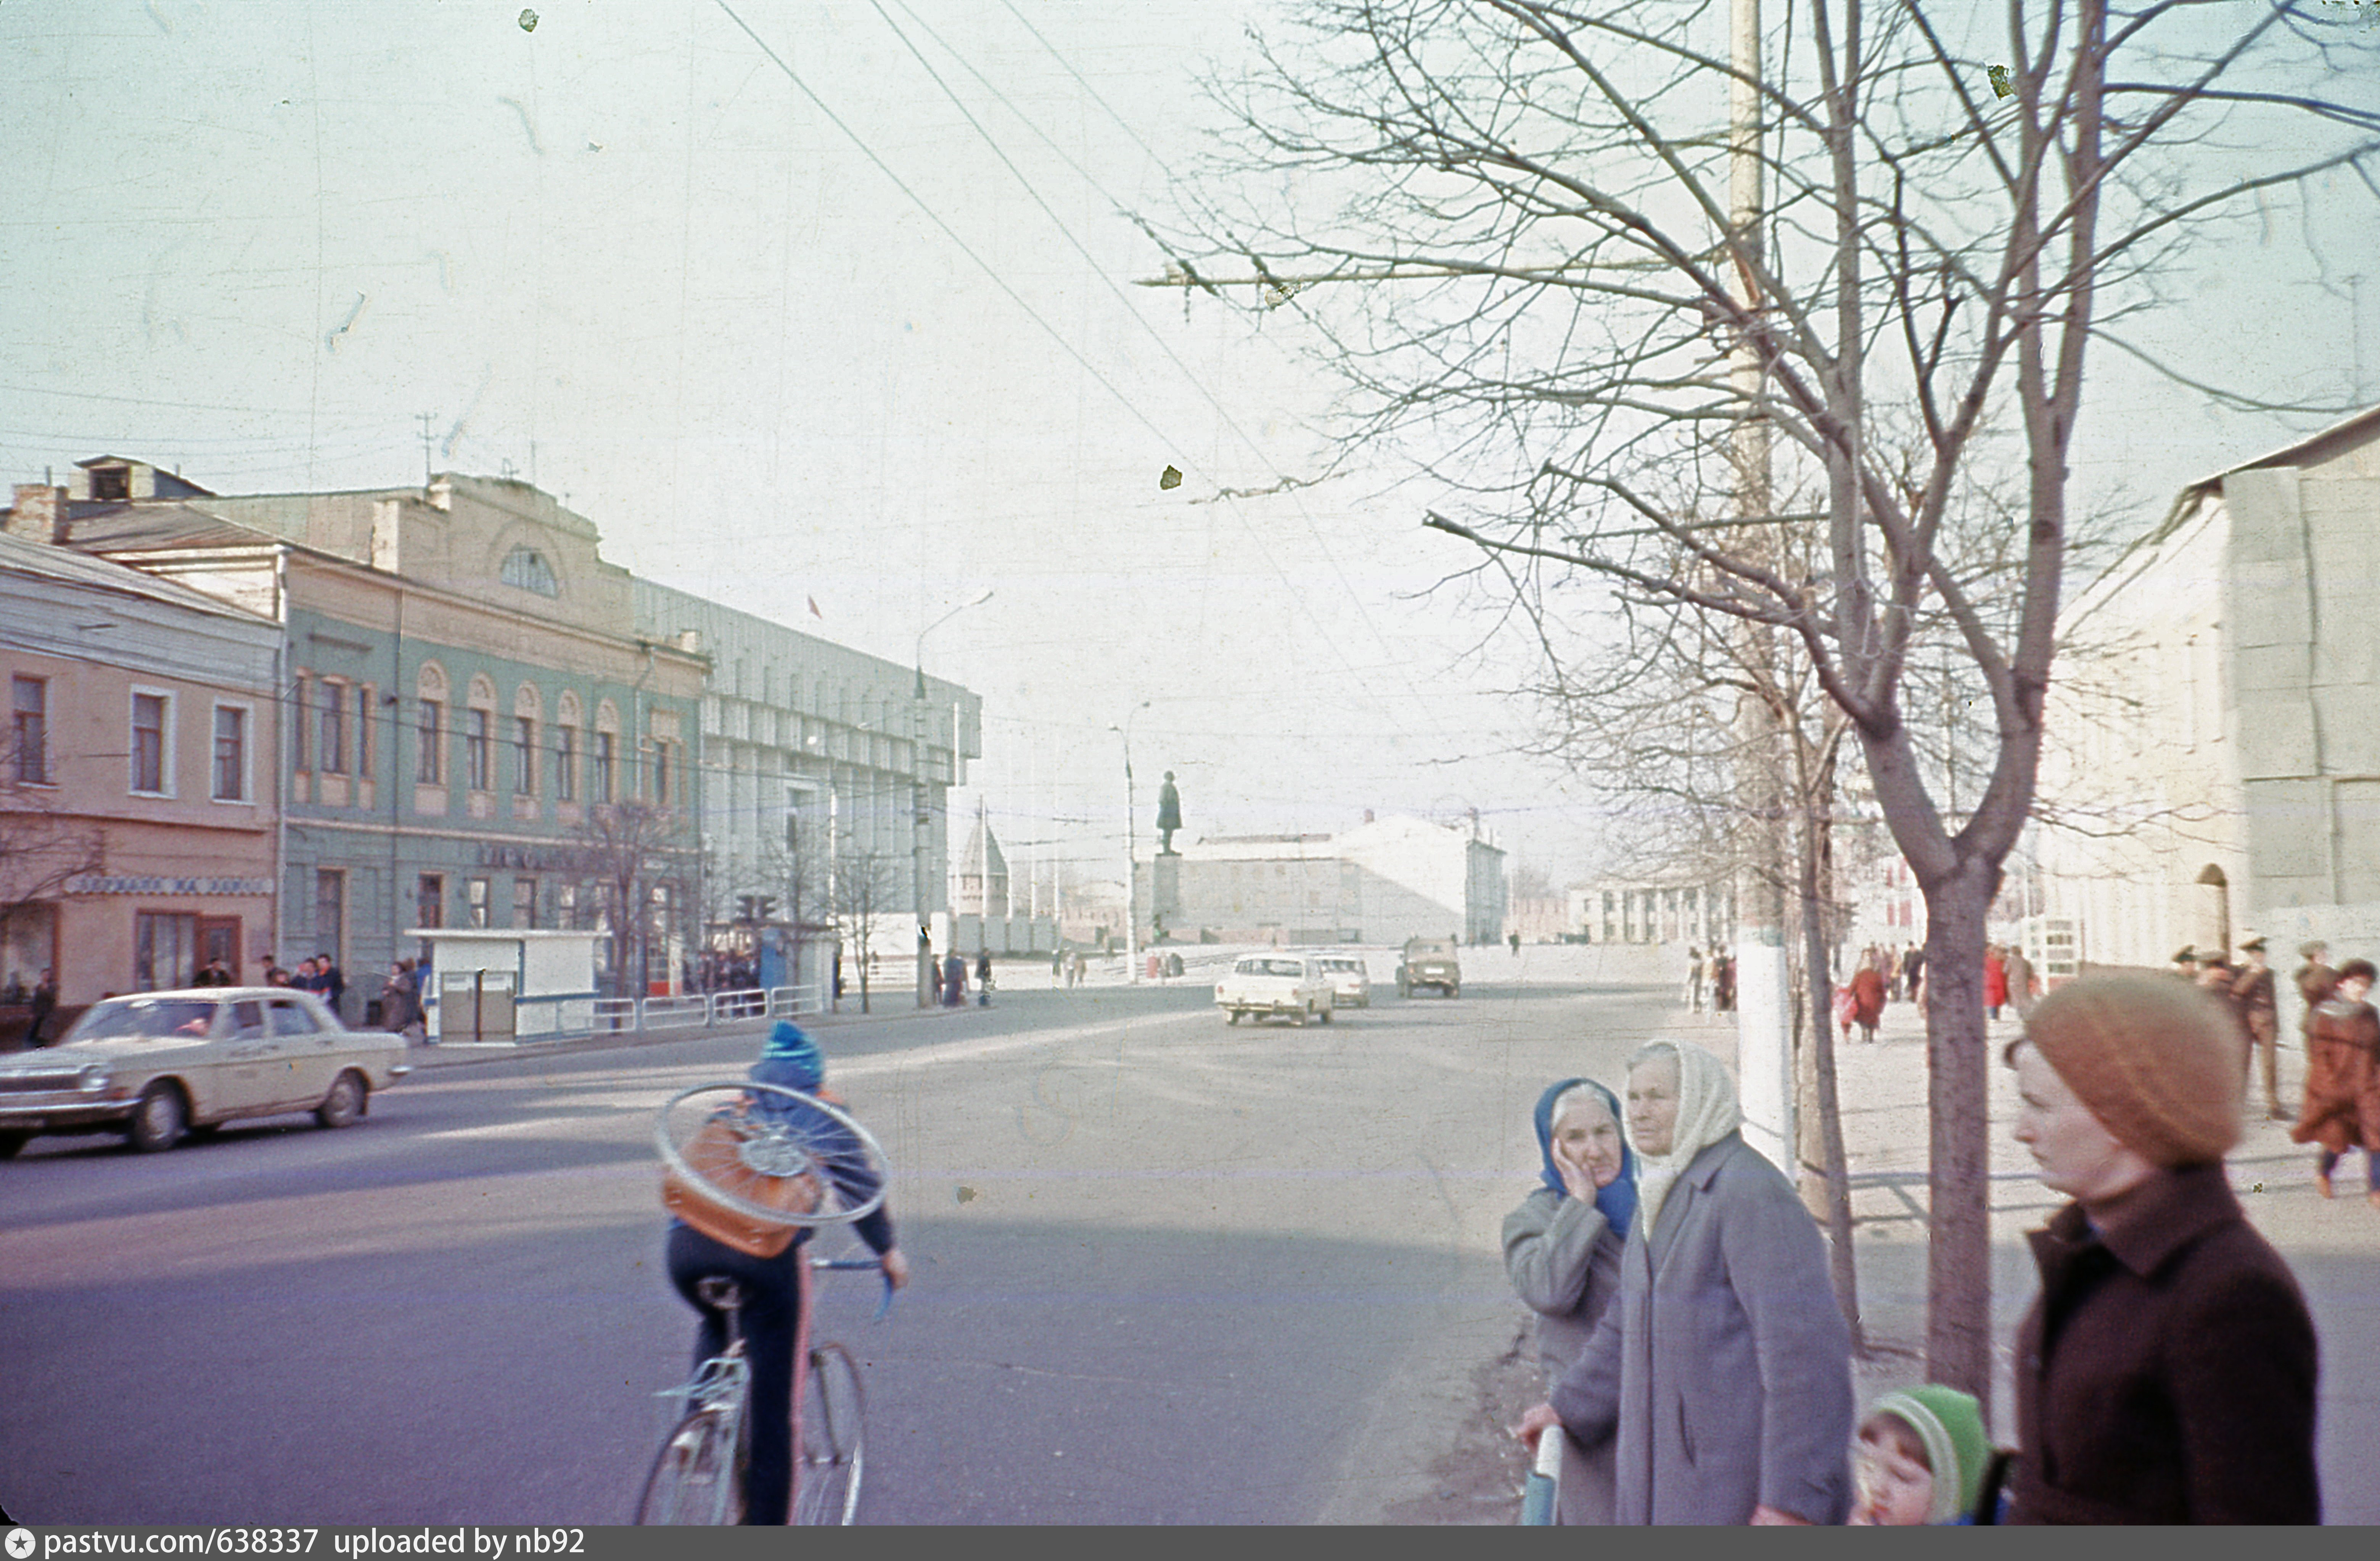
622	254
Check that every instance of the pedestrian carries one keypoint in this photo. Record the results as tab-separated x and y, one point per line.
1867	1000
1727	1386
1921	1459
2253	997
1516	945
772	1282
2019	981
1914	964
983	978
1562	1251
2342	1087
44	1003
1846	1009
1996	982
2166	1373
1694	978
1079	971
333	986
1723	982
397	1000
2314	981
953	980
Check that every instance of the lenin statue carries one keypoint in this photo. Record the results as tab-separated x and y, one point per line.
1169	815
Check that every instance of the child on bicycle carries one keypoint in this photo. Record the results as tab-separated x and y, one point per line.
773	1286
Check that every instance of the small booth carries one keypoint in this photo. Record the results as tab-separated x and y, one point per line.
487	986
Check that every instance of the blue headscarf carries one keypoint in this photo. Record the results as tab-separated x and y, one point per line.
1618	1202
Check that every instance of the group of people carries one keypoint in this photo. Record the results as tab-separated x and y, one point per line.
1711	975
950	980
2341	1109
1699	1364
42	1000
1070	964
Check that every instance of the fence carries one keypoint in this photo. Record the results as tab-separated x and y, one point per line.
557	1017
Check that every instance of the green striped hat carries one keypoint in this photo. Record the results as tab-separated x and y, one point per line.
1950	1423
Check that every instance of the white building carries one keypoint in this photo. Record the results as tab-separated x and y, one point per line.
1644	911
2213	759
1382	882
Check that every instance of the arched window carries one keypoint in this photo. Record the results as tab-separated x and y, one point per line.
430	725
525	568
480	735
603	756
567	718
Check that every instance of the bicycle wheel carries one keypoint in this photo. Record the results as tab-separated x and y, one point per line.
733	1142
697	1476
835	1440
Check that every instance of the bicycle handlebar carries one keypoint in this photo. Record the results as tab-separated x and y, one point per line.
848	1265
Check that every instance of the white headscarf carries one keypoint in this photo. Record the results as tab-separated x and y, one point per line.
1708	1112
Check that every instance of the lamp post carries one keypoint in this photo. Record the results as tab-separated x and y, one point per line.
921	805
1131	847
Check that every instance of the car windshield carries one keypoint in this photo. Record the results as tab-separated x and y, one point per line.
153	1016
1284	968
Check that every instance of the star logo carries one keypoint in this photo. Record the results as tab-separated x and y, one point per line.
21	1542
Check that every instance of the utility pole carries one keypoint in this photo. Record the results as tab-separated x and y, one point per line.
921	813
1131	855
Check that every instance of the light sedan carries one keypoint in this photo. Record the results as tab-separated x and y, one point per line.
157	1063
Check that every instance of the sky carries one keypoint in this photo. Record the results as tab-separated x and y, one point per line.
749	289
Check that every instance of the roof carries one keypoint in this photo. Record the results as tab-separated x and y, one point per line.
2347	432
979	841
47	560
148	523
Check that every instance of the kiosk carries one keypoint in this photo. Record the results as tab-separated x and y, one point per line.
493	987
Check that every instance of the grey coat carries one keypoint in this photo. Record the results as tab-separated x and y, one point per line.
1724	1372
1564	1262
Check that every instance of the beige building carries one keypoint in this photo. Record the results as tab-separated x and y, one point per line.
138	817
1382	882
2212	766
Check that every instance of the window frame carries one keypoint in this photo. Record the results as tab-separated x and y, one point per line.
524	746
478	759
566	762
165	698
429	742
243	782
331	735
38	772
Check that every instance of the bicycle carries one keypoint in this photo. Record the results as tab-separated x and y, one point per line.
697	1475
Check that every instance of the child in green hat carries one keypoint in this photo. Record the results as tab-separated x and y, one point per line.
1921	1458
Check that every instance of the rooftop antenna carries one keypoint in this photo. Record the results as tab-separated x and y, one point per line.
424	419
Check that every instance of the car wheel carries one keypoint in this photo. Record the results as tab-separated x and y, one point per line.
1326	1015
159	1119
1454	990
11	1143
343	1103
1231	1015
1404	991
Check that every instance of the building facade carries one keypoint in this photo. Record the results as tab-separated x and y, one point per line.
2213	767
1698	915
138	793
476	736
1383	882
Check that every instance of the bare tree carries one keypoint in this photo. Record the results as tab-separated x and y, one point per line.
1593	340
627	851
867	889
42	848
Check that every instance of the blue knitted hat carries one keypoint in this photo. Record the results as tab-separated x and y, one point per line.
790	1046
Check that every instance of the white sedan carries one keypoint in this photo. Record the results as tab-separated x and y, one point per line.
156	1064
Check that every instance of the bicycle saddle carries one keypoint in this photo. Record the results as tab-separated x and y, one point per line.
718	1292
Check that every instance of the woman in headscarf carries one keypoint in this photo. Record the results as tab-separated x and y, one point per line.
1562	1248
2166	1372
1723	1376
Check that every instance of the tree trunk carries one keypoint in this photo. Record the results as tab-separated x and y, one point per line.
1818	889
1958	1275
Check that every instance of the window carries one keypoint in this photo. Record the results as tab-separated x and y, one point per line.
475	750
565	763
367	716
660	774
149	743
525	568
430	746
329	913
297	749
524	902
475	892
565	906
332	748
165	948
524	756
284	1016
111	482
30	734
603	766
231	754
430	900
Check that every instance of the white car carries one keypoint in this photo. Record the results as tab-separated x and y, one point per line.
156	1064
1275	986
1350	978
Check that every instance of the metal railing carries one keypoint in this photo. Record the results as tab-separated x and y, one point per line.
555	1017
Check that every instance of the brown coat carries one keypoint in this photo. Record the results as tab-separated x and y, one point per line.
2166	1372
2342	1086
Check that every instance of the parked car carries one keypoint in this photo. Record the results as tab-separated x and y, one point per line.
157	1065
1429	962
1274	985
1351	980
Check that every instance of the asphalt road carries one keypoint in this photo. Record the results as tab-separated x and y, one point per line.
1166	1272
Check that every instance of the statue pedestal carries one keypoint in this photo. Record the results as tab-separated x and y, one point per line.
1165	887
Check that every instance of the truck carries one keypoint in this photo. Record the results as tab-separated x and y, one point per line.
1274	986
1429	962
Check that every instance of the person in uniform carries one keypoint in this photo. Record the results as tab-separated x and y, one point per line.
2252	994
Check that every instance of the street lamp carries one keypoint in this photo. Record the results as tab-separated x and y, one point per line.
1130	846
922	812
